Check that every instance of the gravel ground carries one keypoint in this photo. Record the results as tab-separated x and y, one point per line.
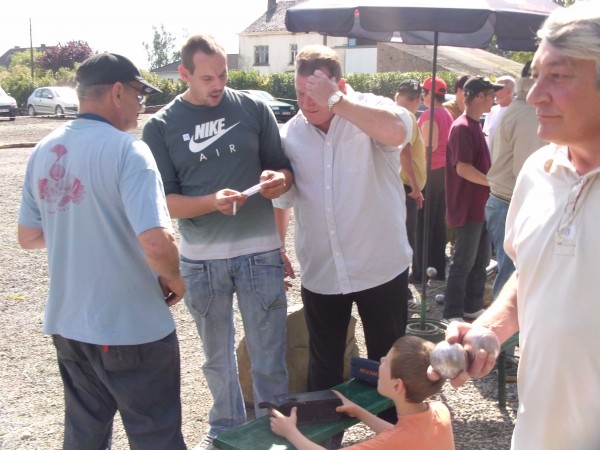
31	404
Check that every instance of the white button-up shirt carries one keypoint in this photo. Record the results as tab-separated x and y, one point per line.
349	203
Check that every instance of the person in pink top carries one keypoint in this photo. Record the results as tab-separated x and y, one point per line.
403	378
435	191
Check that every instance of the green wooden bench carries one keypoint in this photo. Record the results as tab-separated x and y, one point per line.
257	434
508	344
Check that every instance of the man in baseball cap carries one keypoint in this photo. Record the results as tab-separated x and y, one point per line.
440	86
467	191
475	85
409	87
93	196
109	68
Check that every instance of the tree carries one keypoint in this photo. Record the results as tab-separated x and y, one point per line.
23	58
65	56
161	51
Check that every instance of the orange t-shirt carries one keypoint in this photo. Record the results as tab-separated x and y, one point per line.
429	430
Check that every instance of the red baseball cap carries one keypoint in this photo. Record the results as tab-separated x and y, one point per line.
440	85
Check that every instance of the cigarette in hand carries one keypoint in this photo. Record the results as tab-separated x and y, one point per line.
234	207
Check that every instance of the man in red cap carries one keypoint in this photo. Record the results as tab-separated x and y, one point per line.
435	191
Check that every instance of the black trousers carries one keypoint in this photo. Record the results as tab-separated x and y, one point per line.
142	382
436	248
383	312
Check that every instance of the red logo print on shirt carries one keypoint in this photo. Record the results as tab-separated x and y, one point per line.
61	188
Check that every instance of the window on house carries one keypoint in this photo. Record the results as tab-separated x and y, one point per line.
261	55
293	53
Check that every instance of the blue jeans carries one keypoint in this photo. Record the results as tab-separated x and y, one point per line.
467	272
257	280
495	214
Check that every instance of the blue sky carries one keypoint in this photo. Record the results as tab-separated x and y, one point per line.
121	26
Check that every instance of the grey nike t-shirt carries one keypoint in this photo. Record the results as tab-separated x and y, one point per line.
200	150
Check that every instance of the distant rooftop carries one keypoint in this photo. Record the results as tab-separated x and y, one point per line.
5	58
273	19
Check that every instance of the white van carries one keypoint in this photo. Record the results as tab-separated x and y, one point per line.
8	105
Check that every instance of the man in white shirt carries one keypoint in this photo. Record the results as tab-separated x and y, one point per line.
552	236
504	98
349	212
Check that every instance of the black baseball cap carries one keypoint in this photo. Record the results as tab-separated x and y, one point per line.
410	87
475	85
109	68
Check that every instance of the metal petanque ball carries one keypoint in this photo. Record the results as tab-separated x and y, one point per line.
431	272
481	338
449	360
439	298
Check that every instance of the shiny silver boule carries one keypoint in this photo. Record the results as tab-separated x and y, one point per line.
480	338
448	360
431	272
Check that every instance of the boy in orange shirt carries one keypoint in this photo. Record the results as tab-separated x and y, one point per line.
402	378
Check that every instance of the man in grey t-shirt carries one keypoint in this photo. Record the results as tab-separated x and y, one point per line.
211	144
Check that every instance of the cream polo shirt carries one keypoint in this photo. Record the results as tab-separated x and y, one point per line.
516	138
349	203
558	303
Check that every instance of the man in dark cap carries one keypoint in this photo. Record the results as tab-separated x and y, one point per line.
93	197
467	191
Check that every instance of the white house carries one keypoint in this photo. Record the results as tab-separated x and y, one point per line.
267	47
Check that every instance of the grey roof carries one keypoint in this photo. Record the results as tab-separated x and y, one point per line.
471	61
171	67
274	19
5	58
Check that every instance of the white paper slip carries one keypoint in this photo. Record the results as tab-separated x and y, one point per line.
253	190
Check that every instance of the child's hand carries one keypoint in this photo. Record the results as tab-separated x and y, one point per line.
282	425
347	407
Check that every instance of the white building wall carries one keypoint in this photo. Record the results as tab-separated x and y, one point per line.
168	75
361	60
279	49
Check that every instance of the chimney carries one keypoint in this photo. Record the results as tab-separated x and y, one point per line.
271	4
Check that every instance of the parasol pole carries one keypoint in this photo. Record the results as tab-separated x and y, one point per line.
426	213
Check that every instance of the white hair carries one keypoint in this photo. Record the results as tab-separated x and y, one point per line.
507	81
575	31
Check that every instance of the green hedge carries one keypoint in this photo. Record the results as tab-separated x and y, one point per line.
281	85
18	82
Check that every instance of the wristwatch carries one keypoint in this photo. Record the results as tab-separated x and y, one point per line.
334	99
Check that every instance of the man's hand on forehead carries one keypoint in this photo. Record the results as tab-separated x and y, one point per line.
319	87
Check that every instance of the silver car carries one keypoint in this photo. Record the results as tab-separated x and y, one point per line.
53	100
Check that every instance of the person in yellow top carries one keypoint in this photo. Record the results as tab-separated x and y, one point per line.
403	378
457	106
413	171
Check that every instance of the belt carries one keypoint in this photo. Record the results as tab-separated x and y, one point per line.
505	200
